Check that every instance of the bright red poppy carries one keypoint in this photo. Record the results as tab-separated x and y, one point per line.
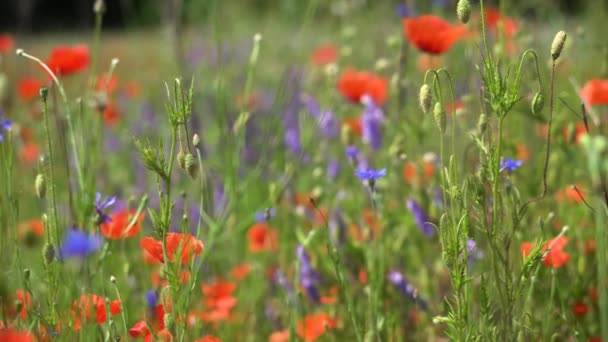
431	34
111	115
10	335
28	88
262	238
354	84
31	230
6	43
89	304
240	272
493	17
117	227
25	301
595	92
209	338
325	54
219	296
68	60
187	243
314	326
556	257
570	194
29	154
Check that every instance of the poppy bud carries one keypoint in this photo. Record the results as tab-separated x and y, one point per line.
113	279
482	124
440	118
463	9
181	160
40	186
196	140
48	253
425	98
99	7
190	165
558	44
538	102
44	93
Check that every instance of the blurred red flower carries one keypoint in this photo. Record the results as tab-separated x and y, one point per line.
493	17
354	123
111	114
595	92
279	336
92	303
68	60
117	227
556	257
314	326
209	338
107	84
28	88
325	54
10	335
431	34
187	243
6	43
29	153
580	309
219	300
262	238
31	229
354	84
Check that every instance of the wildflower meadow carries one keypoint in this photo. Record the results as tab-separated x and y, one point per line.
345	170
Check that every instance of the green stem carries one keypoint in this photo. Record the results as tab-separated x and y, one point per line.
600	237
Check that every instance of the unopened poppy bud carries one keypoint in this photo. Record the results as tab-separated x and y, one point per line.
482	124
40	186
48	253
463	9
196	140
113	279
44	93
99	7
181	160
558	44
425	98
440	117
538	102
190	165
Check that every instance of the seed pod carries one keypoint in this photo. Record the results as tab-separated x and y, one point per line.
463	9
190	165
558	44
181	160
40	186
44	93
440	117
425	98
538	102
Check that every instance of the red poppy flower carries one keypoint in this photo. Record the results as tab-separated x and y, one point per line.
111	114
412	174
431	34
31	229
324	55
355	84
575	134
556	257
26	302
209	338
10	335
92	303
29	153
580	309
314	326
570	194
117	227
29	88
6	43
362	276
279	336
219	296
262	238
106	84
595	92
239	272
509	25
140	329
68	60
187	243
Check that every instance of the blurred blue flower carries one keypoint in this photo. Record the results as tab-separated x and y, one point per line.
370	175
102	205
265	215
405	11
151	299
309	278
510	164
78	244
473	252
371	123
406	288
420	217
333	169
352	152
5	124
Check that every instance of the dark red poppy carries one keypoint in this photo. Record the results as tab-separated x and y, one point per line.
187	243
68	60
431	34
595	92
324	55
580	309
6	43
117	227
355	84
28	88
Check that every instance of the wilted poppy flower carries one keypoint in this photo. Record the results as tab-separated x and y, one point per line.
555	257
68	60
595	92
314	326
116	228
28	88
355	84
324	54
6	43
88	304
187	243
78	243
31	230
431	34
262	238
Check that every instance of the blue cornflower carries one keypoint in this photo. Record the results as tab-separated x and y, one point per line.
406	288
370	174
78	243
101	206
510	164
309	278
420	217
405	11
265	215
151	299
5	124
352	152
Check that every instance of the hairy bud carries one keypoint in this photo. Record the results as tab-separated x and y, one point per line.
538	102
463	9
558	44
425	98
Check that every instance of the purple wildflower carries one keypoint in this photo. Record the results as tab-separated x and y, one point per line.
473	252
420	217
309	278
79	244
151	299
328	124
5	124
371	121
405	11
510	164
333	169
406	288
352	152
290	115
281	280
265	215
101	206
370	174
